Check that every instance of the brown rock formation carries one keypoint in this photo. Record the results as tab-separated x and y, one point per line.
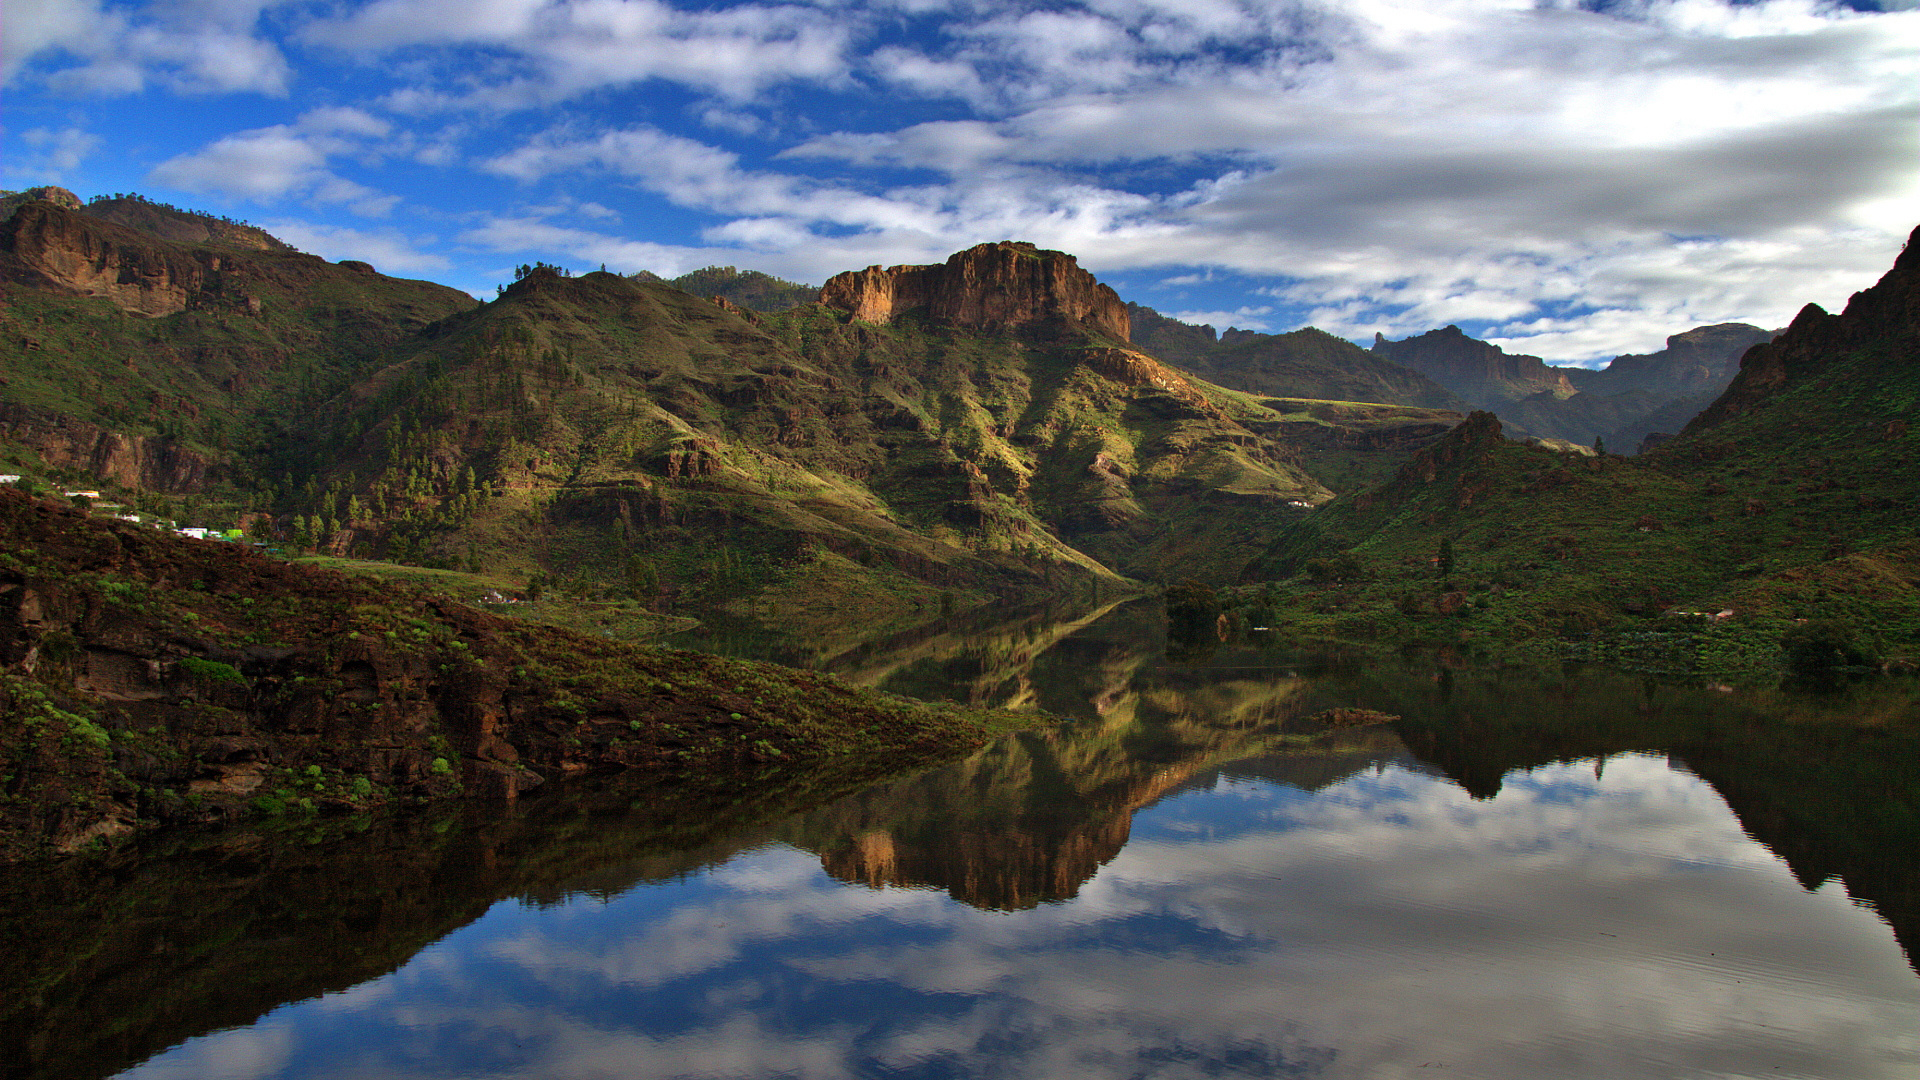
993	287
64	250
1478	371
134	461
1887	314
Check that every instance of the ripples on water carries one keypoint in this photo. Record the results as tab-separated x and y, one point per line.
1189	882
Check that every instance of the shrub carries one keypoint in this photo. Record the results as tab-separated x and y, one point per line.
212	671
1820	646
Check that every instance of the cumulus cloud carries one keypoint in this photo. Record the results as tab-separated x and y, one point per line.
388	250
567	47
51	154
288	160
193	46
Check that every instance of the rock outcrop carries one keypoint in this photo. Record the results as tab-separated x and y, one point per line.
992	287
58	196
133	461
65	250
1887	316
1481	372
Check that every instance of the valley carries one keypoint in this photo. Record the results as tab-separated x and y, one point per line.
597	460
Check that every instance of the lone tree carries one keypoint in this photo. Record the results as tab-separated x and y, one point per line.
1445	559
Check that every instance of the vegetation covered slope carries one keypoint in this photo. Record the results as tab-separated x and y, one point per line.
169	365
750	289
148	678
1307	363
619	430
1792	498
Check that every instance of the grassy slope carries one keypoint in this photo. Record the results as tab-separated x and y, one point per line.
746	458
1793	501
141	663
221	379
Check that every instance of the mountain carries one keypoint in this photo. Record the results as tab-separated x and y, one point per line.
975	427
1620	405
1697	361
1788	501
1479	371
1307	363
158	363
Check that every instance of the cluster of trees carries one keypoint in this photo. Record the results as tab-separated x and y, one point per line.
136	197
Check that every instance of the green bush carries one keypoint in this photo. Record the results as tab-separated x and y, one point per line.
212	671
1821	645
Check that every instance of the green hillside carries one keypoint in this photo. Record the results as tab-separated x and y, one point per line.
620	434
1790	503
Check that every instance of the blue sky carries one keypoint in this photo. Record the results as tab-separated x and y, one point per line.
1570	180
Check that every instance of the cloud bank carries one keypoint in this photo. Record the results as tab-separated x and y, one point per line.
1573	180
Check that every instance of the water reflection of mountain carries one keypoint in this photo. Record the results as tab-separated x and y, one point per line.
110	961
1031	819
1829	779
135	953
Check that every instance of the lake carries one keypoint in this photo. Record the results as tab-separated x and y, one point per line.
1557	872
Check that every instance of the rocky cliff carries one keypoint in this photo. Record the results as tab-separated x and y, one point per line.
992	287
134	461
51	247
1883	319
1481	372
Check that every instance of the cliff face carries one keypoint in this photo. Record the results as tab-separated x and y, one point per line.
1697	361
65	250
1885	317
129	460
993	287
1482	373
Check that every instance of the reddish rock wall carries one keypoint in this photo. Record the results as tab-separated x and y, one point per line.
128	460
993	287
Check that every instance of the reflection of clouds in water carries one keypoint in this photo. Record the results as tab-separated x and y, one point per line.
241	1054
1568	927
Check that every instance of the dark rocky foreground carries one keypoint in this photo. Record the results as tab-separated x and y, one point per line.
148	679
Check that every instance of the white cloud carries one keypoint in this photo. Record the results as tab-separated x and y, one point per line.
1242	318
52	154
567	47
388	250
290	161
203	47
580	248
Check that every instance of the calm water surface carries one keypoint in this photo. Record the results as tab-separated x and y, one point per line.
1530	874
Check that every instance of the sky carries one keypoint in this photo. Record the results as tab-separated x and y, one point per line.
1570	180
